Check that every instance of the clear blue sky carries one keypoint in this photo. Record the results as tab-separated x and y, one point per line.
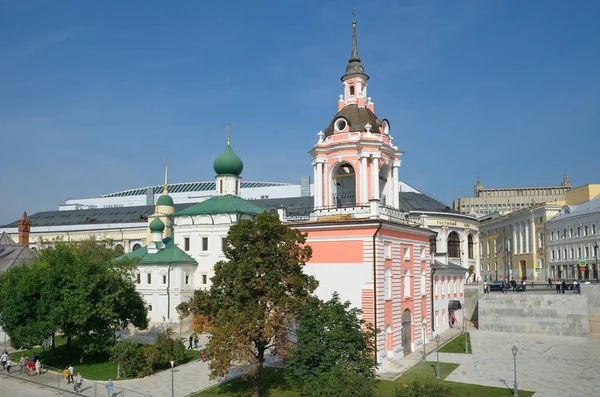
94	95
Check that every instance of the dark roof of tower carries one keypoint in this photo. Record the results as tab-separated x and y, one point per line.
357	118
354	67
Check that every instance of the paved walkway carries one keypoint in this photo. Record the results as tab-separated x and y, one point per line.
402	364
553	366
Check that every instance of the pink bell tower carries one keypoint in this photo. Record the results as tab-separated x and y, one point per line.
355	161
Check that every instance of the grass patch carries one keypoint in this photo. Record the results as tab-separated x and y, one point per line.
457	345
96	366
275	384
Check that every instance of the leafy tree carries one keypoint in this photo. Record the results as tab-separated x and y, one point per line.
255	295
128	355
76	289
420	388
335	351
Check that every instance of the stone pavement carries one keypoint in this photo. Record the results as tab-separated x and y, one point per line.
552	366
403	364
14	388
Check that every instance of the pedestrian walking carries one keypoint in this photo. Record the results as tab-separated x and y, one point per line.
38	367
3	359
71	370
557	287
109	388
78	382
563	286
65	374
549	282
22	363
191	339
196	340
8	365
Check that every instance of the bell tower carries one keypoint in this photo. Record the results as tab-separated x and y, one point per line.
355	160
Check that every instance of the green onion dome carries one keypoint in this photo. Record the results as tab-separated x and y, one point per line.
228	163
157	225
165	199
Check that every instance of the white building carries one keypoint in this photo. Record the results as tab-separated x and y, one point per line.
573	236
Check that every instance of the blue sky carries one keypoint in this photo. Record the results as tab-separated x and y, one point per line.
95	95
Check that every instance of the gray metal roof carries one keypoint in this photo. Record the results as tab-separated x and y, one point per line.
188	187
450	266
12	254
411	201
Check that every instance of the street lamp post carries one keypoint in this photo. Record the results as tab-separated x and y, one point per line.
466	337
173	383
437	350
514	352
596	264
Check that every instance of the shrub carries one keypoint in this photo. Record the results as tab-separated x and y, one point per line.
128	355
420	388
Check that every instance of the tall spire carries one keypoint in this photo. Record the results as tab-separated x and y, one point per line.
354	68
166	187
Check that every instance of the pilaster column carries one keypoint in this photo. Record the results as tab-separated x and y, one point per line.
364	180
533	236
520	251
375	177
513	244
320	189
315	184
526	227
394	190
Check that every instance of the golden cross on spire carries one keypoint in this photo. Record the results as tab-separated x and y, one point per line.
228	133
166	187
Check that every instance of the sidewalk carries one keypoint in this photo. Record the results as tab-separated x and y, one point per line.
402	364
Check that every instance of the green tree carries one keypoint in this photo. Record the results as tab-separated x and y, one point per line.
255	295
335	351
76	289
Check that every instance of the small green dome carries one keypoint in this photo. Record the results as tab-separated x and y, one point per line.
157	225
165	199
228	163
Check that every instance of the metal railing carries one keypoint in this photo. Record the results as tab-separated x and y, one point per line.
52	378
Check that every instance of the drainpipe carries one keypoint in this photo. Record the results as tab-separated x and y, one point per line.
432	303
375	286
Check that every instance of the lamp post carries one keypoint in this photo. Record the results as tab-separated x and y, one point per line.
466	337
514	352
437	350
596	264
173	383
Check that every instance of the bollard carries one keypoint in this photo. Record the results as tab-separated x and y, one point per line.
95	389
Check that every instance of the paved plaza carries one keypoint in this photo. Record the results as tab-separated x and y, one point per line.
553	366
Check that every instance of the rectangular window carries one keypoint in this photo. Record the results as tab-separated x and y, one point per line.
223	244
570	233
578	231
204	279
164	278
138	278
406	253
579	253
149	308
186	244
558	254
551	236
541	220
572	253
594	228
387	249
587	252
187	279
552	255
204	243
541	240
585	230
149	278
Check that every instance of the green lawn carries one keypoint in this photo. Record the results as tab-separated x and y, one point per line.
96	366
276	386
457	345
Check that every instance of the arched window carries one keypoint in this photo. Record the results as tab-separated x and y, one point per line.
470	241
406	284
387	284
453	245
423	283
136	247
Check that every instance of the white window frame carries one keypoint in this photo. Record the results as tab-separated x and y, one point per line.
387	284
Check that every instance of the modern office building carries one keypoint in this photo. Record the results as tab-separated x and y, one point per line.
506	200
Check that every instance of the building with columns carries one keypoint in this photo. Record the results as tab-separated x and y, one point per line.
573	235
513	245
506	200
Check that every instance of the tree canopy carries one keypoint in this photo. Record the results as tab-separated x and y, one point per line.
73	288
255	295
335	351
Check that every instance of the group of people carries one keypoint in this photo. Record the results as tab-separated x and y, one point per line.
561	287
517	286
77	381
193	338
34	367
